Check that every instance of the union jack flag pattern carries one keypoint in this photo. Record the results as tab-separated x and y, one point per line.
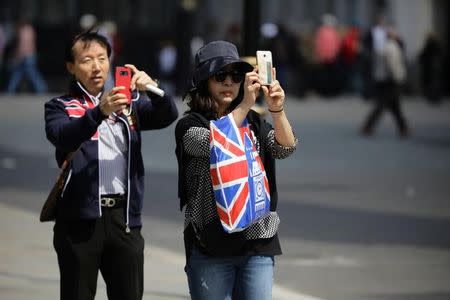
239	180
75	108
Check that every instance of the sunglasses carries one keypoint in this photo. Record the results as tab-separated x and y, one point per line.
235	75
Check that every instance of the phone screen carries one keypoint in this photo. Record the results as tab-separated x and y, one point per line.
123	78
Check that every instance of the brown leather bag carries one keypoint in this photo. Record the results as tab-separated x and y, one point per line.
49	209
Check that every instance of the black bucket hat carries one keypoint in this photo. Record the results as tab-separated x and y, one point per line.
212	57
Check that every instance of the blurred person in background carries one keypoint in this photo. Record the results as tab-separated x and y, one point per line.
24	59
87	22
2	43
327	45
391	77
351	58
430	61
167	61
373	65
285	54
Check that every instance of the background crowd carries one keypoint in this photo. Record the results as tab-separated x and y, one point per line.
329	59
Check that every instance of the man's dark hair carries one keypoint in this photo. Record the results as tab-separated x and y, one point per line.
87	38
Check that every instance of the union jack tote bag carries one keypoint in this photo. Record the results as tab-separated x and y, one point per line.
239	180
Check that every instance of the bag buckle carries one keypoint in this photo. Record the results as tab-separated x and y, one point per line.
108	202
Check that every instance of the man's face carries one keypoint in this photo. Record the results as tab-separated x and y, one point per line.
90	66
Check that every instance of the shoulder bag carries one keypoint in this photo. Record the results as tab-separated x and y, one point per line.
49	209
240	184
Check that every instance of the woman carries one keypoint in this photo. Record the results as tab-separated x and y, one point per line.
222	265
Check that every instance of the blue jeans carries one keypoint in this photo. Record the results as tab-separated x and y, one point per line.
232	277
27	67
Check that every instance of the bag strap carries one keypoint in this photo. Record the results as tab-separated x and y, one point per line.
68	159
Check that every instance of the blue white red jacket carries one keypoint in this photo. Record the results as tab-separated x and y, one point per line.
71	122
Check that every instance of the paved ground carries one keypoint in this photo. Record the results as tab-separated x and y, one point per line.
29	271
361	218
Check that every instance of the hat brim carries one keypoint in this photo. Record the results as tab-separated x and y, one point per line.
212	66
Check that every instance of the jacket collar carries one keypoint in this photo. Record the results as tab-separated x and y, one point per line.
77	89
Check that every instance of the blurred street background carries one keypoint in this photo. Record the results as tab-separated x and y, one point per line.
161	36
362	217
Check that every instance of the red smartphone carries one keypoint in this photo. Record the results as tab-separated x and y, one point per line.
123	78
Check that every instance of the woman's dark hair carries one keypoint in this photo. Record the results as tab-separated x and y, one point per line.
87	38
199	100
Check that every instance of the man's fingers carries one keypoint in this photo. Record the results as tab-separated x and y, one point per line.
115	89
134	77
132	67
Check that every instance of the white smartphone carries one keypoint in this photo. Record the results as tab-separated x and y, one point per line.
264	59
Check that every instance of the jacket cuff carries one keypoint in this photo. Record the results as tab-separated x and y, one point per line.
98	115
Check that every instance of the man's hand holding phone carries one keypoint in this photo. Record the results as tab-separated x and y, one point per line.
114	101
119	97
128	78
143	82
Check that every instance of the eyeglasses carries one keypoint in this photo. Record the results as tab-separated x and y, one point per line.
235	75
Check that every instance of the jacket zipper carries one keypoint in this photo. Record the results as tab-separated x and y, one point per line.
127	227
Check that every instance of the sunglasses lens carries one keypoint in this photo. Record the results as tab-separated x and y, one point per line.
236	76
220	76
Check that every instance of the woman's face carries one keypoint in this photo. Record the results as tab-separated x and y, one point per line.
224	86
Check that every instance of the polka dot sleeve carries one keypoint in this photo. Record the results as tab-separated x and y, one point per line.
196	141
277	150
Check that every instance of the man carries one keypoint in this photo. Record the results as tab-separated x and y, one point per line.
373	42
387	96
99	216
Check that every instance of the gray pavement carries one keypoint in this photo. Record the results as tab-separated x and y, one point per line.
361	218
29	269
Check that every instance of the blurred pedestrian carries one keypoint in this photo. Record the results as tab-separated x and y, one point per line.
88	22
430	61
223	265
167	60
392	75
98	223
286	57
351	58
24	60
327	45
2	43
373	65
